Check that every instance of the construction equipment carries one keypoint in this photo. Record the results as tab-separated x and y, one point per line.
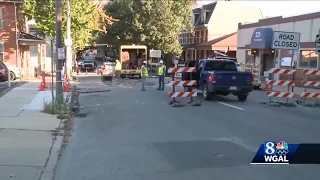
131	58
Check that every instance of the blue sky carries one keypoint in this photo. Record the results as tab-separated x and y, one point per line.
279	8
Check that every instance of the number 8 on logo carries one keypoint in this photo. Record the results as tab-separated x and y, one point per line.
269	148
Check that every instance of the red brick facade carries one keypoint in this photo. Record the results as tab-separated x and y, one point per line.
9	31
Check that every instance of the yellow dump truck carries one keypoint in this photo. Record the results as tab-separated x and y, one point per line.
131	58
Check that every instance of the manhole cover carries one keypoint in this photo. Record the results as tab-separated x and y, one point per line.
82	115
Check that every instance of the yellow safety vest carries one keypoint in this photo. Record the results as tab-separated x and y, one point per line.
160	70
118	66
145	71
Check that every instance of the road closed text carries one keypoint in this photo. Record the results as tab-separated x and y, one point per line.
286	40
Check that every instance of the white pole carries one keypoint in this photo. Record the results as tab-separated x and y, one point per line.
68	42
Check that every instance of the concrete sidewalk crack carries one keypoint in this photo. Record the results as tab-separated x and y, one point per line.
50	151
1	129
9	165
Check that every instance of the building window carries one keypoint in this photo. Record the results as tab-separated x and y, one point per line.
1	51
1	19
249	57
197	36
308	59
33	51
180	38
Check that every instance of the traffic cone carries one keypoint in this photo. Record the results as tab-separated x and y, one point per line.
42	87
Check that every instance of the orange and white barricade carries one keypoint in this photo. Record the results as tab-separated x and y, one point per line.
306	83
188	83
288	83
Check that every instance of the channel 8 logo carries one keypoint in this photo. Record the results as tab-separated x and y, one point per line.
271	148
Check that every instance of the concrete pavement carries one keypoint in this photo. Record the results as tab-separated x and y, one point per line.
28	149
130	134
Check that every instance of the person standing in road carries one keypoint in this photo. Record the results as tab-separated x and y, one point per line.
144	75
161	74
118	70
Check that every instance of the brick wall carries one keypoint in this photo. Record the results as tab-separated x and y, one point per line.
8	33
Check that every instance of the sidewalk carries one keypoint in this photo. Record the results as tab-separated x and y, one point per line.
28	150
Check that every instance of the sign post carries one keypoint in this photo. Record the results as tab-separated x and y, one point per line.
155	54
286	41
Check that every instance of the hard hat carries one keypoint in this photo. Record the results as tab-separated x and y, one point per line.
161	62
144	62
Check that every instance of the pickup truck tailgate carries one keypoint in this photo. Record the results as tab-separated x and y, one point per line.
229	78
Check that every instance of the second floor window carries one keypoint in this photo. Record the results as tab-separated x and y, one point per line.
1	19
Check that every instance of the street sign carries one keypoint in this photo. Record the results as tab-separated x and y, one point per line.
286	40
317	43
155	53
61	53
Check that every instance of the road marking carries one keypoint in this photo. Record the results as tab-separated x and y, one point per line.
229	105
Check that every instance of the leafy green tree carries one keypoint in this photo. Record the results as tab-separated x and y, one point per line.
156	23
86	19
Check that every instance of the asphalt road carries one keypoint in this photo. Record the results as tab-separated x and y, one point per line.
130	134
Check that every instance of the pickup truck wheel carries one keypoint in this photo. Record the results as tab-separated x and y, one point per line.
242	97
206	94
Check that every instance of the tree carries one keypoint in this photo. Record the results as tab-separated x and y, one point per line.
156	23
86	19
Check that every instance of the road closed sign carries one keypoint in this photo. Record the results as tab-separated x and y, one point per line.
286	40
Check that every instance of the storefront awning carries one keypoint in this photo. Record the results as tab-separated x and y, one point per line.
261	38
223	43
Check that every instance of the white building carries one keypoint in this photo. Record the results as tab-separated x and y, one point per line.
259	51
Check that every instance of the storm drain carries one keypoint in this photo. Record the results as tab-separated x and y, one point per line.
81	115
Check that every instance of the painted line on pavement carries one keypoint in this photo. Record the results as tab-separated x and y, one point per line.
232	106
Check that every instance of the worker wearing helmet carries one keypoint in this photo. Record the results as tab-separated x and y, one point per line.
161	75
118	70
144	74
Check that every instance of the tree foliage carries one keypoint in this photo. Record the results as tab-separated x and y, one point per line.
86	19
156	23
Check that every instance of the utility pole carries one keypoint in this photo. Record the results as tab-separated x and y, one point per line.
59	60
68	42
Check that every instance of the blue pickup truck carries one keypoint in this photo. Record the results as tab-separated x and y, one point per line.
219	77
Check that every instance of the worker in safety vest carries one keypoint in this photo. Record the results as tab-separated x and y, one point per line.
144	74
161	74
118	70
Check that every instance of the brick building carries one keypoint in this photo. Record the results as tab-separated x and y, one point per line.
215	27
15	40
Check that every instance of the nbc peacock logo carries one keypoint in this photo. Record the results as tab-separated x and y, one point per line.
282	148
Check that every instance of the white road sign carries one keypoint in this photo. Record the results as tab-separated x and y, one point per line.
155	53
61	53
286	40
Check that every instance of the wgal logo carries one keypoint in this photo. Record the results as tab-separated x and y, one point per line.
276	152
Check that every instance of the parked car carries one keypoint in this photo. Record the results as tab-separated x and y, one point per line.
3	72
219	77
